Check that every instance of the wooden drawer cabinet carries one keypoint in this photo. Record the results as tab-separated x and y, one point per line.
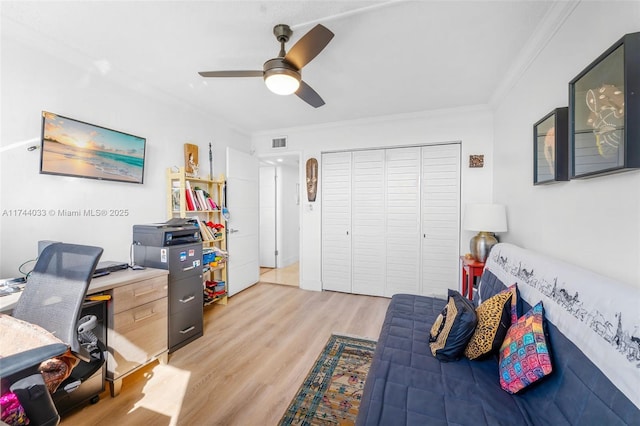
137	334
132	295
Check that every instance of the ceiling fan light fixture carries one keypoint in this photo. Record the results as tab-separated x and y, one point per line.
282	75
282	82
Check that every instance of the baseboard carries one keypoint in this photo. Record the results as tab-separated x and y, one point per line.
311	285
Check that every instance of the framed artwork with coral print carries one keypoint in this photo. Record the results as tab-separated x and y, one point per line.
604	112
551	148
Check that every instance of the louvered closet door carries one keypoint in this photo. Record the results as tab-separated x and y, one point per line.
368	219
440	218
402	224
336	221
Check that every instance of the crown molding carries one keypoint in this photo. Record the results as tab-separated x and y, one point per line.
425	114
545	31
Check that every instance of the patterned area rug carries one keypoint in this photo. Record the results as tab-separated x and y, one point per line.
331	393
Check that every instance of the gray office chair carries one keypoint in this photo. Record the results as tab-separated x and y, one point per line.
52	298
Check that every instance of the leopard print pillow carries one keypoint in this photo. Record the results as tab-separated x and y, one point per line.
494	319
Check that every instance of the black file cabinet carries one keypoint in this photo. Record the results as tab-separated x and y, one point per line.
185	295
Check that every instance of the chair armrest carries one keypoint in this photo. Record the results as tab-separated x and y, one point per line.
17	362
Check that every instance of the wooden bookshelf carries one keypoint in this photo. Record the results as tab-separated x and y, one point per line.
202	200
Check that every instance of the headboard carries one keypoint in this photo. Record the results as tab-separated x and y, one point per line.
600	315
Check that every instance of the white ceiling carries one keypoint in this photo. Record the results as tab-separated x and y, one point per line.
387	57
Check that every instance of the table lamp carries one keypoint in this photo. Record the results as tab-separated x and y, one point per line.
486	219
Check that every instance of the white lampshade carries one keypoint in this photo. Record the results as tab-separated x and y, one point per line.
282	84
485	218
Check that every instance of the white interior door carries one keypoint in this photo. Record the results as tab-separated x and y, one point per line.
440	218
243	186
402	224
336	221
268	217
369	210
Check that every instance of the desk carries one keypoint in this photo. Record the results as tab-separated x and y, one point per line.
471	269
137	327
97	285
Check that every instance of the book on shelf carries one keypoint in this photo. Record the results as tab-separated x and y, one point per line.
175	196
213	297
205	200
204	229
189	200
208	231
202	199
190	197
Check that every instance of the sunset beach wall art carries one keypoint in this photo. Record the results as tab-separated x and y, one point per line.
75	148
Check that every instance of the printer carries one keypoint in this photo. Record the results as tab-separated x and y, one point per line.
167	234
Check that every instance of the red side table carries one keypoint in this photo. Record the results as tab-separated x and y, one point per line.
471	269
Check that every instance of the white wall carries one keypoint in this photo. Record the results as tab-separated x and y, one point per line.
473	126
33	81
279	216
267	216
289	216
594	223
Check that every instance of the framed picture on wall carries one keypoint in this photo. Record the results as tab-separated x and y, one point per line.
551	148
604	111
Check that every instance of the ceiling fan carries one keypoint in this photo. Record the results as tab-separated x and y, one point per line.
282	74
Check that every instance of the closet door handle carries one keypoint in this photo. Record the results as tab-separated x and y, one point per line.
186	330
188	299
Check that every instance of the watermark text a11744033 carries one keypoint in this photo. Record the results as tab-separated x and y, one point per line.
58	212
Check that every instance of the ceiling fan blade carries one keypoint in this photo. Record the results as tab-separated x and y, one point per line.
309	46
310	96
243	73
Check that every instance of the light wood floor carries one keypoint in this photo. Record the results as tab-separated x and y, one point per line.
289	275
245	370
